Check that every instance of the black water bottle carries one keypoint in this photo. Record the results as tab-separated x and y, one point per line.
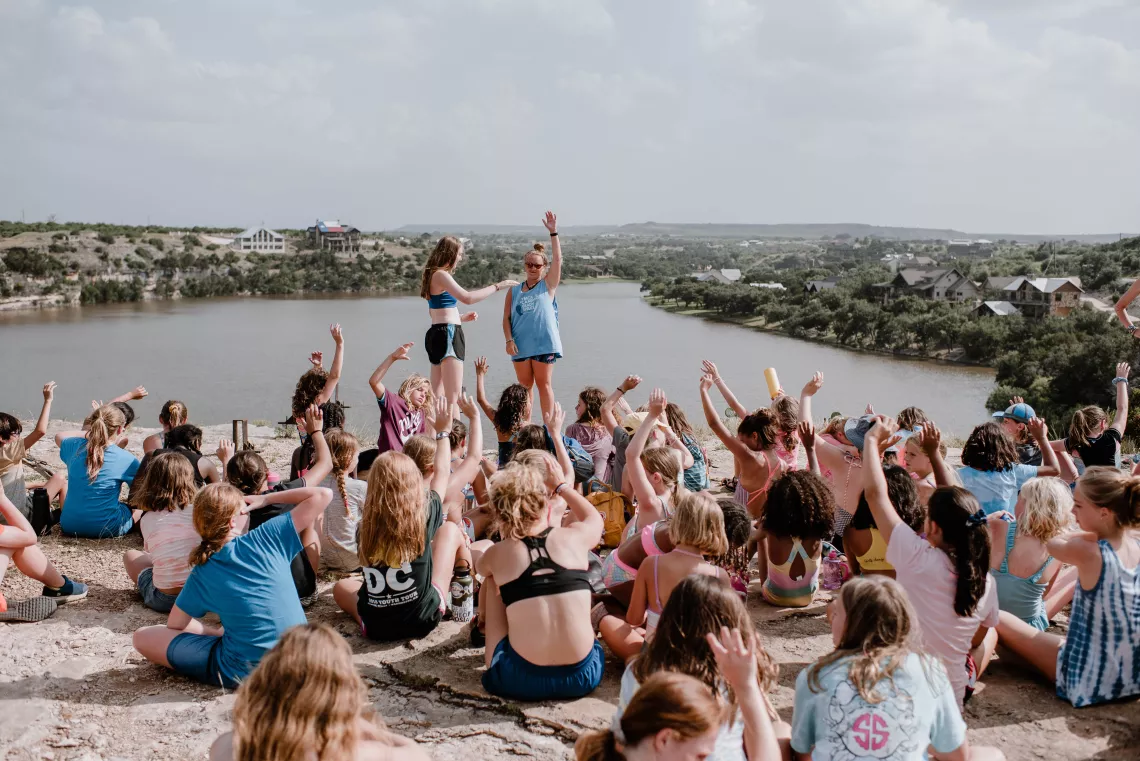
41	518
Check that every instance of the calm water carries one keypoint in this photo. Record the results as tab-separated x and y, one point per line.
240	358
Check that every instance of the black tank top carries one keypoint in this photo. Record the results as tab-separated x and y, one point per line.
543	576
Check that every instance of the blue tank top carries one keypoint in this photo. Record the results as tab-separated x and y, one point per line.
534	321
442	300
1019	595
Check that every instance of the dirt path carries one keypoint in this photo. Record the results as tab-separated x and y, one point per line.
72	687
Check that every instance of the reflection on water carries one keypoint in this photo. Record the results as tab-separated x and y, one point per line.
241	357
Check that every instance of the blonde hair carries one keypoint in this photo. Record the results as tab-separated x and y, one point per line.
166	485
443	257
878	635
410	384
698	522
392	524
421	448
1084	425
540	459
1111	489
343	447
303	701
1047	508
101	424
540	250
665	462
215	506
518	499
173	413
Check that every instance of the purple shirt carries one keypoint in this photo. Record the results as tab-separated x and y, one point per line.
397	423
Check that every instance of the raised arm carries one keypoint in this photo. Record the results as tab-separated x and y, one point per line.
1121	381
811	388
1052	464
138	392
807	438
712	417
586	522
874	482
337	364
377	379
310	502
609	419
554	420
481	368
930	439
322	463
45	415
225	453
1122	305
554	273
737	662
469	468
462	295
710	369
442	425
673	441
648	504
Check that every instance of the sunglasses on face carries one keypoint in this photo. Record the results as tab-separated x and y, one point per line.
534	265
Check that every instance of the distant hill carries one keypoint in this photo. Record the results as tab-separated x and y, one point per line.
716	230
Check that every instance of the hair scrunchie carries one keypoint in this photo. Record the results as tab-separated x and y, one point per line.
976	519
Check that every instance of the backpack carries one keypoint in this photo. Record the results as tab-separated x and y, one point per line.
612	505
579	457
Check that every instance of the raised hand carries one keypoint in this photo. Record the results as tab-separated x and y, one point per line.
630	383
1016	400
930	438
96	404
806	430
550	222
337	334
882	431
736	661
314	419
505	284
401	352
254	501
138	393
467	406
870	409
708	368
812	387
49	391
317	359
707	381
657	402
1123	369
225	451
469	317
442	420
554	420
553	477
1038	429
481	366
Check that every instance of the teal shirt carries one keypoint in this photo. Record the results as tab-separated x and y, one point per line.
534	321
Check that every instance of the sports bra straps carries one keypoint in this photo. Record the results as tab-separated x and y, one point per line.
543	576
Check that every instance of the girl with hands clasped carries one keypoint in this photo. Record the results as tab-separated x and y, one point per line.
530	318
245	580
446	347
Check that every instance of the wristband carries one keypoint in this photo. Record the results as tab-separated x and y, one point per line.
1119	379
441	435
554	235
1130	328
559	488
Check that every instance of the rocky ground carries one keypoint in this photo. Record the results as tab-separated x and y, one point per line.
72	687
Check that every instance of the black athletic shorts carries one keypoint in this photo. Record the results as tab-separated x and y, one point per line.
445	340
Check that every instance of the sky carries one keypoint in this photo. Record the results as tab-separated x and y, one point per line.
1018	116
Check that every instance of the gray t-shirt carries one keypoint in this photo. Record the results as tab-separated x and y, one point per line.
621	441
341	523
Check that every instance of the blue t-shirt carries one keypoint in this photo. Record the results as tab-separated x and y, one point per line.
248	584
534	321
920	711
997	490
93	508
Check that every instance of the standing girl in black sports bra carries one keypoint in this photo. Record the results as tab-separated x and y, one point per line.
536	597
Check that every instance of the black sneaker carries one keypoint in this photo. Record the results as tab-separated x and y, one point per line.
28	611
478	637
71	590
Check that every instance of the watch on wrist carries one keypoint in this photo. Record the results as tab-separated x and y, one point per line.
441	435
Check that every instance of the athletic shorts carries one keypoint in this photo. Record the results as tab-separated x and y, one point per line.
445	340
546	359
513	677
197	656
152	597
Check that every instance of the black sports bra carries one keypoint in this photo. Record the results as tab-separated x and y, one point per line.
543	576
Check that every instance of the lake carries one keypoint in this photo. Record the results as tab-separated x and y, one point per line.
240	358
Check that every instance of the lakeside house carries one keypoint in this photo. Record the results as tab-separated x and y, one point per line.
1037	297
331	234
726	276
936	284
259	239
819	286
995	309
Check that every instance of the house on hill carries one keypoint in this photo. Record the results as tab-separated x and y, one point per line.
995	309
260	239
331	234
931	284
979	247
718	276
1039	296
819	286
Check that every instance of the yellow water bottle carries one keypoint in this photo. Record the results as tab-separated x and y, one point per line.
773	382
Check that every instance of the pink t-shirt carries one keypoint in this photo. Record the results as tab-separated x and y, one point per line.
169	537
929	578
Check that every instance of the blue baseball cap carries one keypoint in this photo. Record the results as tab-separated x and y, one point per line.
855	429
1018	413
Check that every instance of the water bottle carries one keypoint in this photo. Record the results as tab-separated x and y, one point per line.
835	571
462	595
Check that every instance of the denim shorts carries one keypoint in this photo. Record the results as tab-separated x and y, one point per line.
513	677
196	656
151	596
546	359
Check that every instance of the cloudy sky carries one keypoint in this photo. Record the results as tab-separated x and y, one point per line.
984	115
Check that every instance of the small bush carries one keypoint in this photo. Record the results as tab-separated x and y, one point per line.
192	241
59	236
100	250
212	247
157	243
106	238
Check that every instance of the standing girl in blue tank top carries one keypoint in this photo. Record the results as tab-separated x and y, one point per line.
444	341
530	319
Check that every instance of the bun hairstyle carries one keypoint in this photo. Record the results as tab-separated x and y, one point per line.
215	506
1113	490
101	425
764	423
173	413
665	462
664	701
421	448
166	485
518	499
800	504
304	700
989	448
457	435
343	448
965	539
247	471
392	530
878	635
443	257
540	250
1085	426
698	522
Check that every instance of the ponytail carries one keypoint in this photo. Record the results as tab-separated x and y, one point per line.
666	700
967	542
215	506
101	424
343	448
666	462
1084	425
1109	488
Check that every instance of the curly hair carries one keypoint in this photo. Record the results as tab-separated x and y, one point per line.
903	495
518	499
800	504
989	448
737	522
513	409
764	423
309	387
592	399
